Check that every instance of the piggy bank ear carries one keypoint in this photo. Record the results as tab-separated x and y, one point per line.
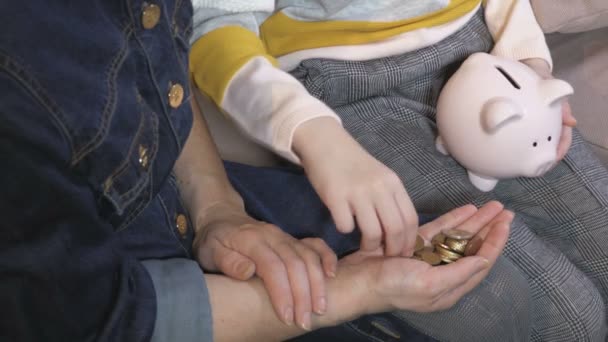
499	112
554	90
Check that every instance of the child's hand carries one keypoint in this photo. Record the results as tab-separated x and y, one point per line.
542	68
353	184
293	271
566	138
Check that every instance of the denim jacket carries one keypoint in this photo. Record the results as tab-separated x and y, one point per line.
94	111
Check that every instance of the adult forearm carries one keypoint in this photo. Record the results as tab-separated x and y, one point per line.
242	310
200	173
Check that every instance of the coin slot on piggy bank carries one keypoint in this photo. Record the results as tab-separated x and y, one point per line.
499	119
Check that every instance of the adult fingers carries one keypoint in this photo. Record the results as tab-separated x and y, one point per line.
490	251
299	283
438	281
232	263
482	217
504	216
316	277
449	220
273	272
328	257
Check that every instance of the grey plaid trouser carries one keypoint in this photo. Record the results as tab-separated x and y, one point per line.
554	280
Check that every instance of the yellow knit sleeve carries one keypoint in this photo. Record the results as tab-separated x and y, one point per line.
217	56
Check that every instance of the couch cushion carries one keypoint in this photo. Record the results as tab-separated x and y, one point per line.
568	16
582	60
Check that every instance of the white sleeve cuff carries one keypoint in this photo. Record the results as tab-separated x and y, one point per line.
516	32
269	105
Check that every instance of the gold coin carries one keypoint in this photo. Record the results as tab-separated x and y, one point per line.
445	251
458	234
457	246
424	250
431	258
437	239
419	243
447	261
473	246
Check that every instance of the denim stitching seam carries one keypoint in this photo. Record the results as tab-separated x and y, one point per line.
111	100
37	91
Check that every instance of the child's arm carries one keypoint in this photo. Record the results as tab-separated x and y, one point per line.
515	30
518	36
230	63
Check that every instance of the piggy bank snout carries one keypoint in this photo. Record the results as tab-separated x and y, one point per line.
540	163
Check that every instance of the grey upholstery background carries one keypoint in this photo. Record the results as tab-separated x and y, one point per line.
582	60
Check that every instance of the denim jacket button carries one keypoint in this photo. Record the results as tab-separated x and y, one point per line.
150	16
176	95
181	223
143	157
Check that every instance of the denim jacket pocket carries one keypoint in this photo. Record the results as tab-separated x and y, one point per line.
129	179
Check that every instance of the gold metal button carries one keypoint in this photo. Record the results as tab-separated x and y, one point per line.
176	95
150	16
143	156
182	224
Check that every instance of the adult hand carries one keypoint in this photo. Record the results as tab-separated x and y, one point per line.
408	284
541	67
293	271
354	185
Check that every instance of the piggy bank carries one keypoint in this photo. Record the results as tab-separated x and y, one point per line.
500	120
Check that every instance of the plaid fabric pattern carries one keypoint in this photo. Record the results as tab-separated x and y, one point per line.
559	238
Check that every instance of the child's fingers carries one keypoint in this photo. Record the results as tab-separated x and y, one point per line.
564	143
369	224
392	225
409	216
567	117
342	215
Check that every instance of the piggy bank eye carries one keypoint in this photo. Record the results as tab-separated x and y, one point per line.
535	144
549	138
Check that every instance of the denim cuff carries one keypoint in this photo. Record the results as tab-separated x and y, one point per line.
183	310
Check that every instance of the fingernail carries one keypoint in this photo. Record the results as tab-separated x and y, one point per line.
288	316
306	322
321	306
483	263
244	268
332	272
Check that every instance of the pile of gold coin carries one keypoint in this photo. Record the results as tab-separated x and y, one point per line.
447	247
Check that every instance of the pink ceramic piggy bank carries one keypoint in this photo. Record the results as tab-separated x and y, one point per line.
499	119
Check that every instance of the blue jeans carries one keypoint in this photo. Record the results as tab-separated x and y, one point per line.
285	197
